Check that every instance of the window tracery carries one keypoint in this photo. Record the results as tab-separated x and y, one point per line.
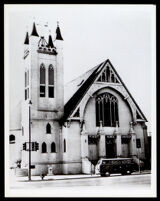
106	110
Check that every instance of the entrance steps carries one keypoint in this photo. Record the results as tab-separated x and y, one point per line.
138	161
21	172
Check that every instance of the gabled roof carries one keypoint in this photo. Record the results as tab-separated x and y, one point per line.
78	95
77	88
71	87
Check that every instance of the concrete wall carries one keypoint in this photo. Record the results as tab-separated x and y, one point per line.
72	156
38	134
139	134
15	149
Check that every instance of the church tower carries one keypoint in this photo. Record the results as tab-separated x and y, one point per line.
44	97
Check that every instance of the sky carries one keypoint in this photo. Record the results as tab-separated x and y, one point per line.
92	33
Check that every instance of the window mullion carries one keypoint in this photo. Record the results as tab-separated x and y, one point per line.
99	112
114	113
110	112
105	75
103	123
109	75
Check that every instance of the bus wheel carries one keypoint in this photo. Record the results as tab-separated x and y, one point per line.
107	174
128	172
103	174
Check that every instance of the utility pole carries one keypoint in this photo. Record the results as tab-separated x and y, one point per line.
138	146
139	165
29	170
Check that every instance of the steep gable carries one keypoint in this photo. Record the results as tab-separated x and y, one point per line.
107	75
76	89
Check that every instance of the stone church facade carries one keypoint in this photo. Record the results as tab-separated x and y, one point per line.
92	117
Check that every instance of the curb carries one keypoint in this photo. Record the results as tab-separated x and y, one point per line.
87	177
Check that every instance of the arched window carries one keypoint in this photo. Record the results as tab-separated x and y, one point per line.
42	80
112	77
108	74
53	147
44	147
51	82
11	139
48	128
64	144
106	110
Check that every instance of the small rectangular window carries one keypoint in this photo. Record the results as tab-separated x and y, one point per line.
42	91
51	92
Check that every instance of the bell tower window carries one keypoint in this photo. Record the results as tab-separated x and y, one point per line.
51	82
42	80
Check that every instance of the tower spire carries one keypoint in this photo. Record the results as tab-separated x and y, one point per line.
26	41
34	30
50	42
58	33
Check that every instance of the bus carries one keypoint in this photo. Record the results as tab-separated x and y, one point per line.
116	165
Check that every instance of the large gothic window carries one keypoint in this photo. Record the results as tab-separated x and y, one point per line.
42	80
44	147
51	82
106	110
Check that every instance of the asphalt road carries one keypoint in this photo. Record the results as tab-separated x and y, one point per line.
108	183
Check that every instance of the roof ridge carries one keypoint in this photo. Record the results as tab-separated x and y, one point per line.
81	75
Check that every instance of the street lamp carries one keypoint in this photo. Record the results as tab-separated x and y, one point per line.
29	170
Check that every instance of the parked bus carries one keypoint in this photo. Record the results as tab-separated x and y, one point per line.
116	165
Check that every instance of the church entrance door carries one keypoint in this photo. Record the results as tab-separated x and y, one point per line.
92	148
110	147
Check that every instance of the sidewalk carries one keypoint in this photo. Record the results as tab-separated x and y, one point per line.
66	177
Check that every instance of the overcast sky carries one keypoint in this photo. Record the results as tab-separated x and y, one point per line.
92	34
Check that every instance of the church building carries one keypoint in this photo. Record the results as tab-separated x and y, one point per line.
70	127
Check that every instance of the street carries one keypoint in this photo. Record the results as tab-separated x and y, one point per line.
99	186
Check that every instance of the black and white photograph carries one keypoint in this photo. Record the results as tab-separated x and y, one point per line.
80	100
